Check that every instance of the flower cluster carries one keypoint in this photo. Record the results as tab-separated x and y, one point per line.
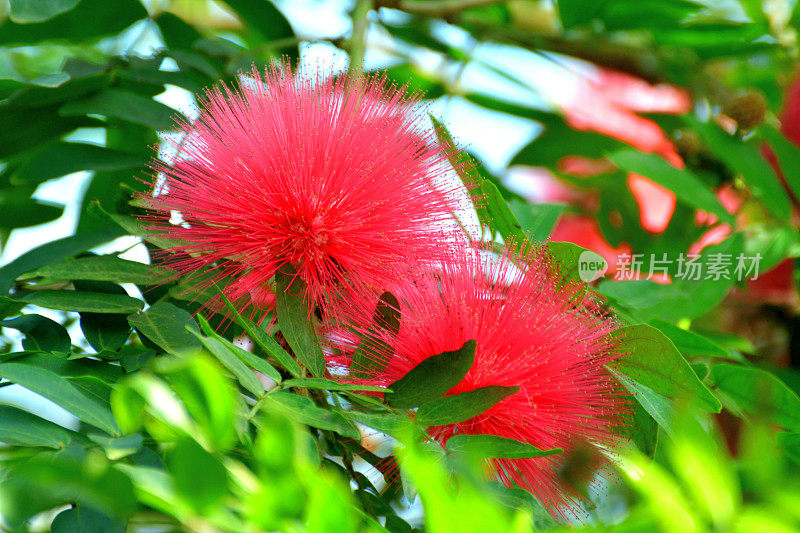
341	178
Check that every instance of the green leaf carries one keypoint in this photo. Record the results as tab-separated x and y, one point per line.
745	159
123	105
295	320
304	411
92	302
105	268
250	359
686	186
385	422
41	333
165	325
432	378
460	407
684	297
759	392
9	306
576	263
199	477
225	354
659	407
559	140
62	392
652	360
263	18
118	447
207	394
27	11
73	24
262	340
496	447
643	428
21	428
328	384
788	156
69	478
105	332
502	219
60	158
176	32
82	519
21	212
689	342
462	163
371	351
537	220
54	251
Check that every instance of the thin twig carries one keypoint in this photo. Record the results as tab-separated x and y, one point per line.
436	8
357	43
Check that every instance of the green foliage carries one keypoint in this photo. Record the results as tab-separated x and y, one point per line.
175	424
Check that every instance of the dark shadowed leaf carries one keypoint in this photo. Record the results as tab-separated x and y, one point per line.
295	320
123	105
91	302
165	325
369	356
54	251
21	212
461	407
82	519
432	378
41	333
105	268
61	158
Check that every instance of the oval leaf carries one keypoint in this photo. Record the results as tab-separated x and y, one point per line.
62	392
432	378
652	360
461	407
496	447
295	321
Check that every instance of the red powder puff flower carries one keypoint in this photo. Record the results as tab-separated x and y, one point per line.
337	176
533	331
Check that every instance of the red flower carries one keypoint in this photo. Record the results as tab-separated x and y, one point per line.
336	176
607	101
551	340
